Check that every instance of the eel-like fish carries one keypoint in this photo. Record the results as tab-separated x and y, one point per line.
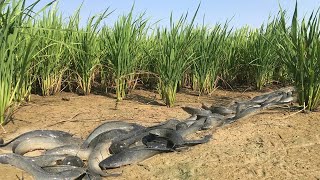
72	150
129	156
84	153
197	111
72	161
174	138
107	126
36	171
126	140
99	153
40	142
45	133
46	160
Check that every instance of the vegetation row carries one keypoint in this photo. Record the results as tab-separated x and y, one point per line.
41	52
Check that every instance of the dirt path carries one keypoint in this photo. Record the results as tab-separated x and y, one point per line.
263	146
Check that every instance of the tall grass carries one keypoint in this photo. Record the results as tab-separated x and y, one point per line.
123	44
235	68
85	55
17	50
174	56
41	53
263	55
51	61
300	51
207	47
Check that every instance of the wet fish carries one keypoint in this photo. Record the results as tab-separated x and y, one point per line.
99	153
196	126
126	140
128	156
221	110
58	168
36	171
44	133
72	150
72	161
107	126
175	139
108	135
197	111
46	160
40	142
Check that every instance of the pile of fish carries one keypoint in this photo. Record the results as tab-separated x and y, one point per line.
117	143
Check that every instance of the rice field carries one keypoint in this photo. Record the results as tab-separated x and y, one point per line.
44	54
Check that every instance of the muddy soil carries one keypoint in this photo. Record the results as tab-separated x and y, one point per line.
276	143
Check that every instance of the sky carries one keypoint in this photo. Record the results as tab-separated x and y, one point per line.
239	12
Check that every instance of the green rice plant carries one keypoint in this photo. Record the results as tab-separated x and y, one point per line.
208	46
148	64
17	49
174	56
123	45
250	57
235	66
279	70
262	54
51	61
300	51
85	52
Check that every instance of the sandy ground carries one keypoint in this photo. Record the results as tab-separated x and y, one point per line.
274	144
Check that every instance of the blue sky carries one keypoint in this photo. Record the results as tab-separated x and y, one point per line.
241	12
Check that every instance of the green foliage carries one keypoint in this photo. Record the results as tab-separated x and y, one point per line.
41	53
208	46
86	55
17	49
173	56
123	46
51	63
300	51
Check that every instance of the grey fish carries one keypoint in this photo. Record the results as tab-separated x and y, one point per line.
281	101
99	153
189	122
128	156
197	111
260	99
156	142
274	99
107	126
45	133
40	142
108	135
72	161
46	160
181	125
221	110
126	140
196	126
72	150
192	117
37	172
212	123
267	98
91	176
176	139
243	113
58	168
